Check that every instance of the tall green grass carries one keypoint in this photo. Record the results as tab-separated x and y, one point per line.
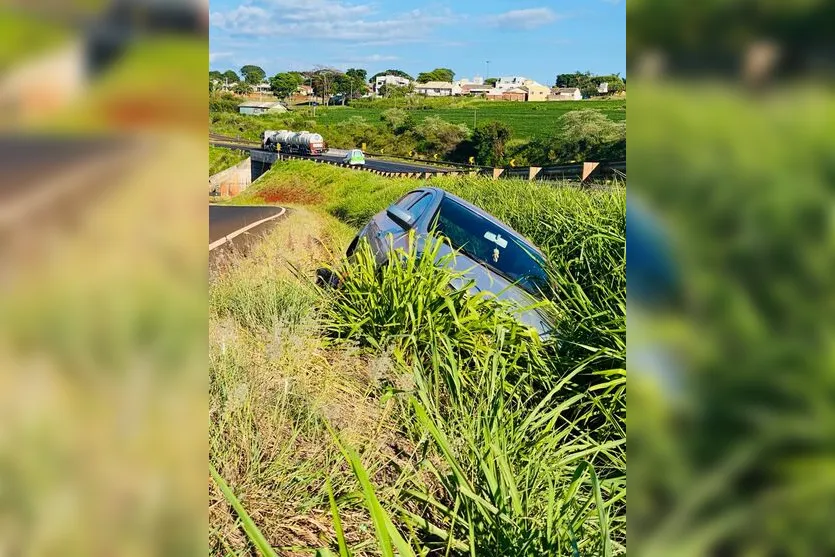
529	443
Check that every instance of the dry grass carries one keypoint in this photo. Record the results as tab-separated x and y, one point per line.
275	382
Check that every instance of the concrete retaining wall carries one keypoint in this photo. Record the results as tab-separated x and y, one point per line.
233	180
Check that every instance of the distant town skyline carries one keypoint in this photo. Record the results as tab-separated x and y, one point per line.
537	41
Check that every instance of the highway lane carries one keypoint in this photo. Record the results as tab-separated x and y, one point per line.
389	166
370	162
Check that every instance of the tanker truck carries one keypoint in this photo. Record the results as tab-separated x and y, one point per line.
298	143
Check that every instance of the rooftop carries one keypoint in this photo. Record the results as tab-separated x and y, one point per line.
434	85
259	104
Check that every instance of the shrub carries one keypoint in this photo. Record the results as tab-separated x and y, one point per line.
439	136
489	143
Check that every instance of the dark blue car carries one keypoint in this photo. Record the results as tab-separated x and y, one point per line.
490	254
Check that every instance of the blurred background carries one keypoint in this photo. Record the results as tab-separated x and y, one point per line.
730	256
102	277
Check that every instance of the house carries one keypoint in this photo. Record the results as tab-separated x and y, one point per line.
474	89
477	80
513	94
437	89
389	79
256	107
304	90
511	82
603	87
535	91
262	88
565	94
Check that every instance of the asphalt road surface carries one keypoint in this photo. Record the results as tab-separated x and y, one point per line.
370	162
225	220
387	166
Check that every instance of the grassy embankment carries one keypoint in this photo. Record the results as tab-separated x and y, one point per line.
439	423
221	159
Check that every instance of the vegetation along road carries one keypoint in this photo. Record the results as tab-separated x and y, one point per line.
398	402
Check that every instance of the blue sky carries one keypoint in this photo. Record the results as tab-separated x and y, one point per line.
534	39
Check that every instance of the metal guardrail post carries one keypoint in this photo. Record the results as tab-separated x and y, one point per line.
533	171
497	172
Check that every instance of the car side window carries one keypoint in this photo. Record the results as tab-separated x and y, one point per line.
419	207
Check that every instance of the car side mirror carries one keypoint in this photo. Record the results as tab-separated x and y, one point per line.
403	218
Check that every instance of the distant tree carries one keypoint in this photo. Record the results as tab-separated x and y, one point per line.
576	79
242	88
284	84
588	83
615	81
215	78
587	135
324	81
391	91
356	73
399	120
589	90
391	72
491	81
439	136
253	74
231	76
358	81
489	142
343	85
438	74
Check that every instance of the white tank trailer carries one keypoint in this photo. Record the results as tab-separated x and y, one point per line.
298	143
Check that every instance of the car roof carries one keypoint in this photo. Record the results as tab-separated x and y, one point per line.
481	212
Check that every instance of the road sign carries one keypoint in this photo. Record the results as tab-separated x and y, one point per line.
278	147
411	153
363	145
435	156
513	162
472	160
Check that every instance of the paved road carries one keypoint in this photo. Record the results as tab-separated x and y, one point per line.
389	166
370	162
225	220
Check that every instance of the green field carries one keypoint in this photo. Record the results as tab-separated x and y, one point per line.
526	120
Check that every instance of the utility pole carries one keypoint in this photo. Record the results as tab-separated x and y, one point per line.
488	70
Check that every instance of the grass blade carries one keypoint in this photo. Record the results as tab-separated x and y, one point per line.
252	531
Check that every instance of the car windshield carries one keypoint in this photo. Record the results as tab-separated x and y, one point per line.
492	245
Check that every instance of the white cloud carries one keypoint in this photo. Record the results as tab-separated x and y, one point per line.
370	59
325	20
524	19
214	56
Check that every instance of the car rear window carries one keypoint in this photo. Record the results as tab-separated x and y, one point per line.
492	245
